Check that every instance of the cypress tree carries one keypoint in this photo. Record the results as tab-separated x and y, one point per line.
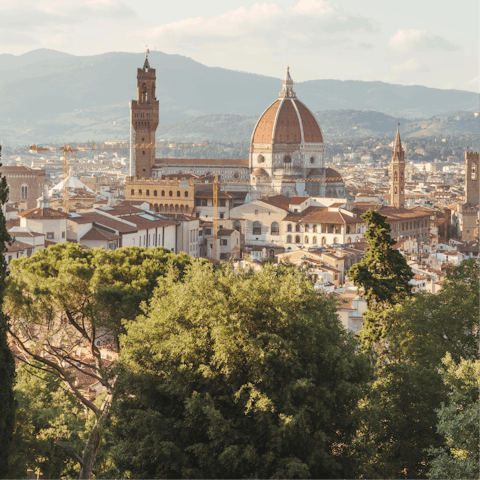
7	364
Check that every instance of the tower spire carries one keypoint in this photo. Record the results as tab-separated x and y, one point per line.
287	90
398	142
146	64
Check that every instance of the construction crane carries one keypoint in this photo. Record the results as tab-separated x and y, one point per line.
112	145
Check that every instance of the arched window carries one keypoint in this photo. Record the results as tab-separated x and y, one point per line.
154	193
289	239
401	176
178	193
163	193
297	239
186	194
287	161
314	240
335	240
148	193
170	193
324	241
24	192
297	227
140	192
312	159
132	192
395	191
237	225
260	159
349	240
395	177
307	228
306	240
274	229
314	229
257	228
289	227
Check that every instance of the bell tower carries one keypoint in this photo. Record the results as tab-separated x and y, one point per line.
398	173
471	178
144	122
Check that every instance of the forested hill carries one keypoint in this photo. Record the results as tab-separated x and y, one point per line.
46	94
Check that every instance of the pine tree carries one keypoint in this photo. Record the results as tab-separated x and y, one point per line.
7	364
383	275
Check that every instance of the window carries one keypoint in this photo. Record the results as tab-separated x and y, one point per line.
178	193
223	202
289	239
324	241
186	194
260	159
287	161
324	229
395	177
204	202
274	228
24	192
306	240
163	193
289	227
148	193
208	231
197	215
297	239
170	193
335	240
348	228
338	229
63	234
223	256
49	235
314	229
297	227
154	193
222	215
257	228
140	192
132	192
224	242
256	212
312	160
307	228
314	240
237	225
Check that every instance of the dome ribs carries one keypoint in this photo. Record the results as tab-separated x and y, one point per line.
311	130
288	127
264	129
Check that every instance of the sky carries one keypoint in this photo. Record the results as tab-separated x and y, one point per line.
408	42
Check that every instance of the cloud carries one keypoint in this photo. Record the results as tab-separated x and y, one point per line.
308	19
411	65
473	82
419	40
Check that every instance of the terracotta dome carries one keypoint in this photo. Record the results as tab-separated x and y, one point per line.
287	120
260	172
331	175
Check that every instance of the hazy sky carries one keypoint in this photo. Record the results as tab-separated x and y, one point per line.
426	42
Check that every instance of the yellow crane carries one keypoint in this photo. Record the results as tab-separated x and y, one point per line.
112	145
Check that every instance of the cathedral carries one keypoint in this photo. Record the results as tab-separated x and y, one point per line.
287	151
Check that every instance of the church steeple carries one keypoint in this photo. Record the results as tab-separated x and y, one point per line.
146	65
398	173
287	90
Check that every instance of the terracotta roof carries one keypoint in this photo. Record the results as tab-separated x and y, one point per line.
14	222
297	216
143	223
17	246
288	116
322	215
208	193
420	277
280	201
201	161
393	213
225	232
102	220
297	200
98	234
180	217
10	208
49	213
261	172
13	169
122	210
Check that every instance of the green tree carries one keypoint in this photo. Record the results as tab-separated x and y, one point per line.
7	364
383	275
66	305
404	399
458	420
238	375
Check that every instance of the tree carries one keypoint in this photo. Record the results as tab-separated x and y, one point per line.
404	399
7	364
383	274
238	375
458	420
66	305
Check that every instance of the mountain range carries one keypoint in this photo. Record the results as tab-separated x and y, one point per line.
46	95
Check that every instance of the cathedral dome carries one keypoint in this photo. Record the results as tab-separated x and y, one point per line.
287	120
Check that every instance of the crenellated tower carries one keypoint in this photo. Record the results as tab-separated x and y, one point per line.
398	173
144	118
471	178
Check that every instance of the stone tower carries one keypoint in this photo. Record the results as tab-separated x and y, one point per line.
144	117
471	178
398	174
